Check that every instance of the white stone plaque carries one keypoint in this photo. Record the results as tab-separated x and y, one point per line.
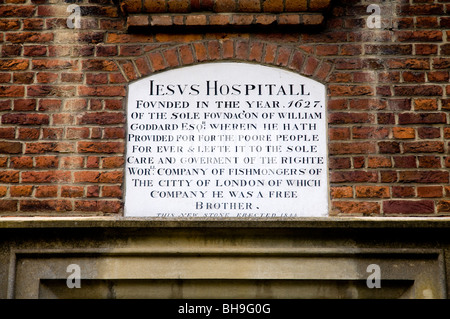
226	140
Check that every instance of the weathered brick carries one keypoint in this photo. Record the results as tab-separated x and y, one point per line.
367	132
102	118
46	162
379	162
341	192
349	117
46	176
403	191
443	206
372	191
47	147
355	208
72	191
423	147
429	191
10	147
21	191
100	147
427	176
46	191
112	191
46	205
351	148
404	132
422	118
113	162
389	147
429	132
354	177
410	207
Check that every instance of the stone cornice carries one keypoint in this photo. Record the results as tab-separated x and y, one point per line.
223	13
274	223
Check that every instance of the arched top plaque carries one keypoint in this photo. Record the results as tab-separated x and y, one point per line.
226	139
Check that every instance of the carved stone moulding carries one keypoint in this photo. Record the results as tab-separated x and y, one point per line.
223	13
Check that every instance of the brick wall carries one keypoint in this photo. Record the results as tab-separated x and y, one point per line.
62	101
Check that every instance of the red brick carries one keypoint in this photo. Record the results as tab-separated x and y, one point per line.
46	177
46	162
359	162
72	191
186	55
403	191
112	191
429	132
425	104
21	162
423	147
405	162
10	147
46	77
368	104
351	148
350	90
17	10
429	191
24	105
340	104
341	133
410	207
417	77
367	132
404	132
46	205
7	133
101	147
421	9
385	118
72	162
46	191
92	162
388	176
9	176
424	176
113	162
111	177
49	105
438	76
353	177
157	61
86	177
14	65
388	147
355	208
110	91
372	191
422	118
29	133
341	192
426	49
441	63
46	147
102	118
9	24
349	118
379	162
114	133
12	91
21	191
7	205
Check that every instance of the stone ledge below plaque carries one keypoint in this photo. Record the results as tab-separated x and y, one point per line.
215	13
